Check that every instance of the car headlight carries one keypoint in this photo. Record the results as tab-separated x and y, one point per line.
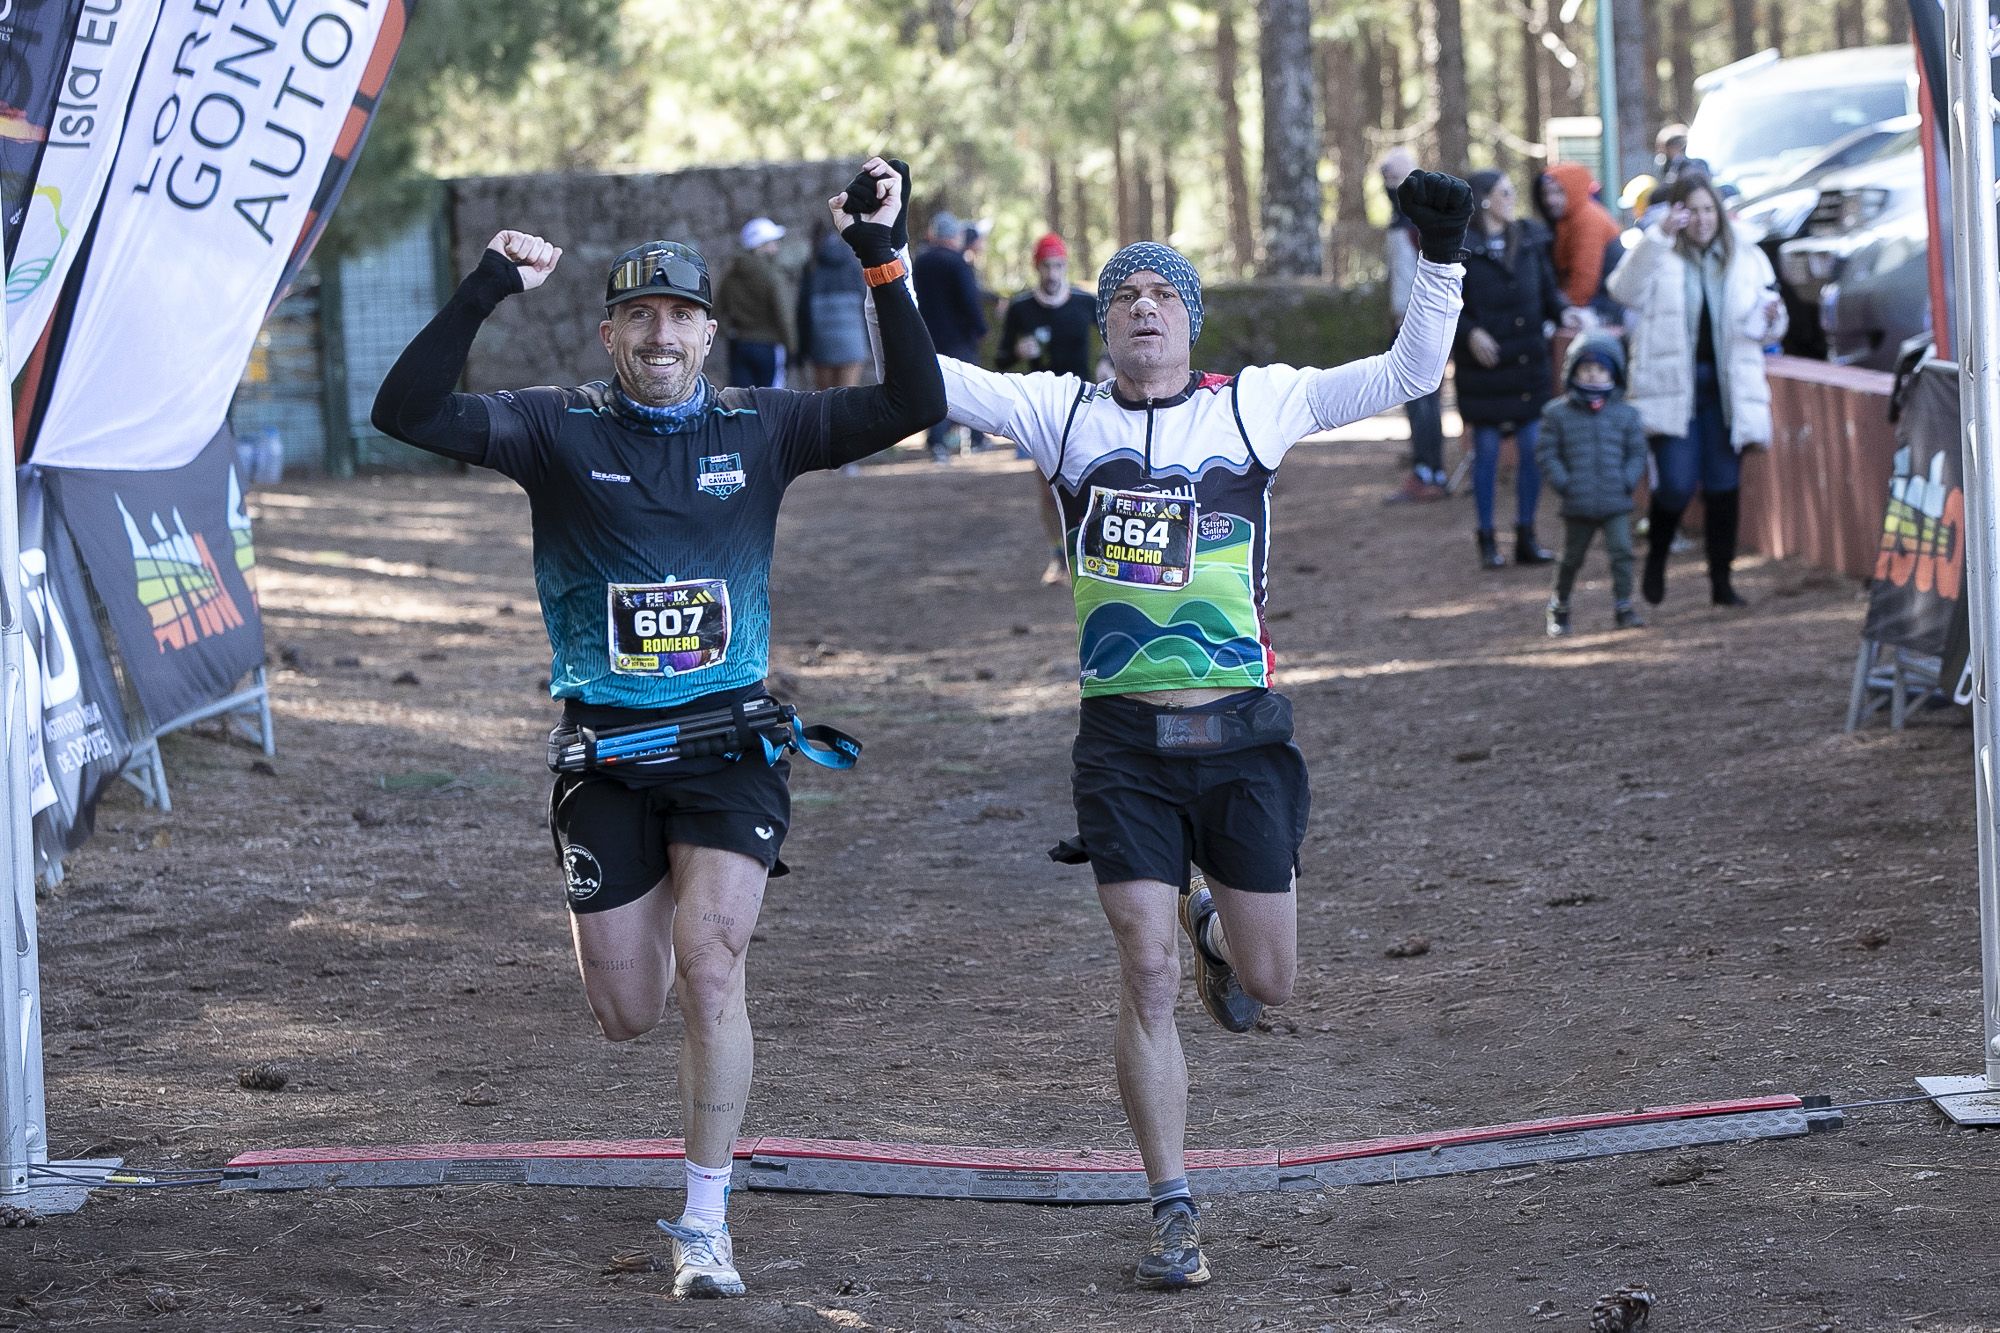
1780	215
1858	208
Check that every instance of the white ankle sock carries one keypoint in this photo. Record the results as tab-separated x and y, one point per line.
707	1194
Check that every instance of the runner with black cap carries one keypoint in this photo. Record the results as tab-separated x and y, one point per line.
654	500
1184	752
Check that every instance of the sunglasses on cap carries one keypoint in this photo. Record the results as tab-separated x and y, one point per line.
664	270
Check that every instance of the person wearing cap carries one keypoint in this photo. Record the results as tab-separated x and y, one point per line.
1184	752
755	311
653	507
948	294
1052	326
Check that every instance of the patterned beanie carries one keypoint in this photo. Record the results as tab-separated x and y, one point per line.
1166	262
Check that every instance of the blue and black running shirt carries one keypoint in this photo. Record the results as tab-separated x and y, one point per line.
653	535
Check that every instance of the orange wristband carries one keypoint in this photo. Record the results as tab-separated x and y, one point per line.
883	274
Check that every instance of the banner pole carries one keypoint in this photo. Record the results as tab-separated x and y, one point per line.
1969	70
23	1133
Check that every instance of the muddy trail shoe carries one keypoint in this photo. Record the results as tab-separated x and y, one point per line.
704	1262
1214	980
1174	1258
1555	621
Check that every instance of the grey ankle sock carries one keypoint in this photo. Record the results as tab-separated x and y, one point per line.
1173	1193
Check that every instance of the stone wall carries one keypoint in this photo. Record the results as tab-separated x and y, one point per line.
1297	323
549	336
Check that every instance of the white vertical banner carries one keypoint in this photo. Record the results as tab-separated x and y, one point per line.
239	107
89	116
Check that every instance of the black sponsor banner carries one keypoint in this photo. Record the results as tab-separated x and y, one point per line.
77	742
35	39
1916	600
170	556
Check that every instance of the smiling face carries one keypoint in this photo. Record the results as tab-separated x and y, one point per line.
1146	327
657	345
1704	216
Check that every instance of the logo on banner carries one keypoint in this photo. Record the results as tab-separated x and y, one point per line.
239	535
179	585
1923	532
721	475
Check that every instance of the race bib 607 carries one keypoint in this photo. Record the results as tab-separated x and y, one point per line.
668	629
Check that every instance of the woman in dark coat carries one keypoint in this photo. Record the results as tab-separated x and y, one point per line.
1501	357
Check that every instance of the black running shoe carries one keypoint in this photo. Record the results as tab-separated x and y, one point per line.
1214	980
1173	1259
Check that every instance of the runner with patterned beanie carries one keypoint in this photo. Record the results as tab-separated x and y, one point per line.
654	500
1184	752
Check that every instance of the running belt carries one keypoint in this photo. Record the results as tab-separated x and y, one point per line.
761	723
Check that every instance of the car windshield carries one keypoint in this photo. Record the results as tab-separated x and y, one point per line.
1739	126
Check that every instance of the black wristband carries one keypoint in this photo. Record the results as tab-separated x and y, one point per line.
871	242
496	278
1443	249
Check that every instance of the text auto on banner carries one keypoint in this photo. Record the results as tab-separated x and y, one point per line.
170	556
238	109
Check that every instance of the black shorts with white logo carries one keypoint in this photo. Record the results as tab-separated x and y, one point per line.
612	831
1220	785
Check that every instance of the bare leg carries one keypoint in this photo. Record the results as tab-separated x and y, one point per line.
1257	934
1152	1072
626	958
718	894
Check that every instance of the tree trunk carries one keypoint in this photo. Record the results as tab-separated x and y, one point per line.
1392	82
1850	23
1743	27
1774	25
1533	118
1368	69
1292	205
1142	196
1635	127
1170	198
1654	100
1344	96
1444	56
1079	235
1565	83
1236	174
1680	51
1121	182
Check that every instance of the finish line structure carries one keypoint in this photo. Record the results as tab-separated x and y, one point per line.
922	1171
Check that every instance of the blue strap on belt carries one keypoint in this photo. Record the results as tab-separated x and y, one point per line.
823	745
727	732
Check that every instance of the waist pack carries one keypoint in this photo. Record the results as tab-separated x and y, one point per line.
756	726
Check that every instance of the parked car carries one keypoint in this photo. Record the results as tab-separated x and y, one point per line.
1781	215
1863	260
1761	119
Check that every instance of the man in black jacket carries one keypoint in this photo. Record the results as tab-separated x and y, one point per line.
948	293
654	501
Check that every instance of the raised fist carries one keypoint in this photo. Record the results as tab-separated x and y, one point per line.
533	256
1439	207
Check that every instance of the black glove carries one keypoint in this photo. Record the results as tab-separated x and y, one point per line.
863	197
1438	206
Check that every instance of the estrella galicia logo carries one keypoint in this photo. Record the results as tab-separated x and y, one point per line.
721	475
584	874
1214	527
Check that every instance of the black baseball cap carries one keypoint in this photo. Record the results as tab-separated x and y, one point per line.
659	268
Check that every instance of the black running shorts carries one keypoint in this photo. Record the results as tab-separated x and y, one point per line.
611	832
1234	802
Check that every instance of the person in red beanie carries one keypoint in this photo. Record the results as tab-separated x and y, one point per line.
1051	326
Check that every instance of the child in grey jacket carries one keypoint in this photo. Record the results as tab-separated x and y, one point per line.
1592	450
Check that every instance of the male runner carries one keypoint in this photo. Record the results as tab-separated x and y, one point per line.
1184	752
654	503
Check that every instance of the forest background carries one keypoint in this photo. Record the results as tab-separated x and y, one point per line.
1245	132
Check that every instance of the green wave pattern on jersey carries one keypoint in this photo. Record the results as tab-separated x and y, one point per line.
1134	637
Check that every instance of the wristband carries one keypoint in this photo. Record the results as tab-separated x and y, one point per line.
884	274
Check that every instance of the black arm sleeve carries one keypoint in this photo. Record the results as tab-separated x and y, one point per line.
416	403
910	397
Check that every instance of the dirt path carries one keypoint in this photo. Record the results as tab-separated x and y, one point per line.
1649	869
